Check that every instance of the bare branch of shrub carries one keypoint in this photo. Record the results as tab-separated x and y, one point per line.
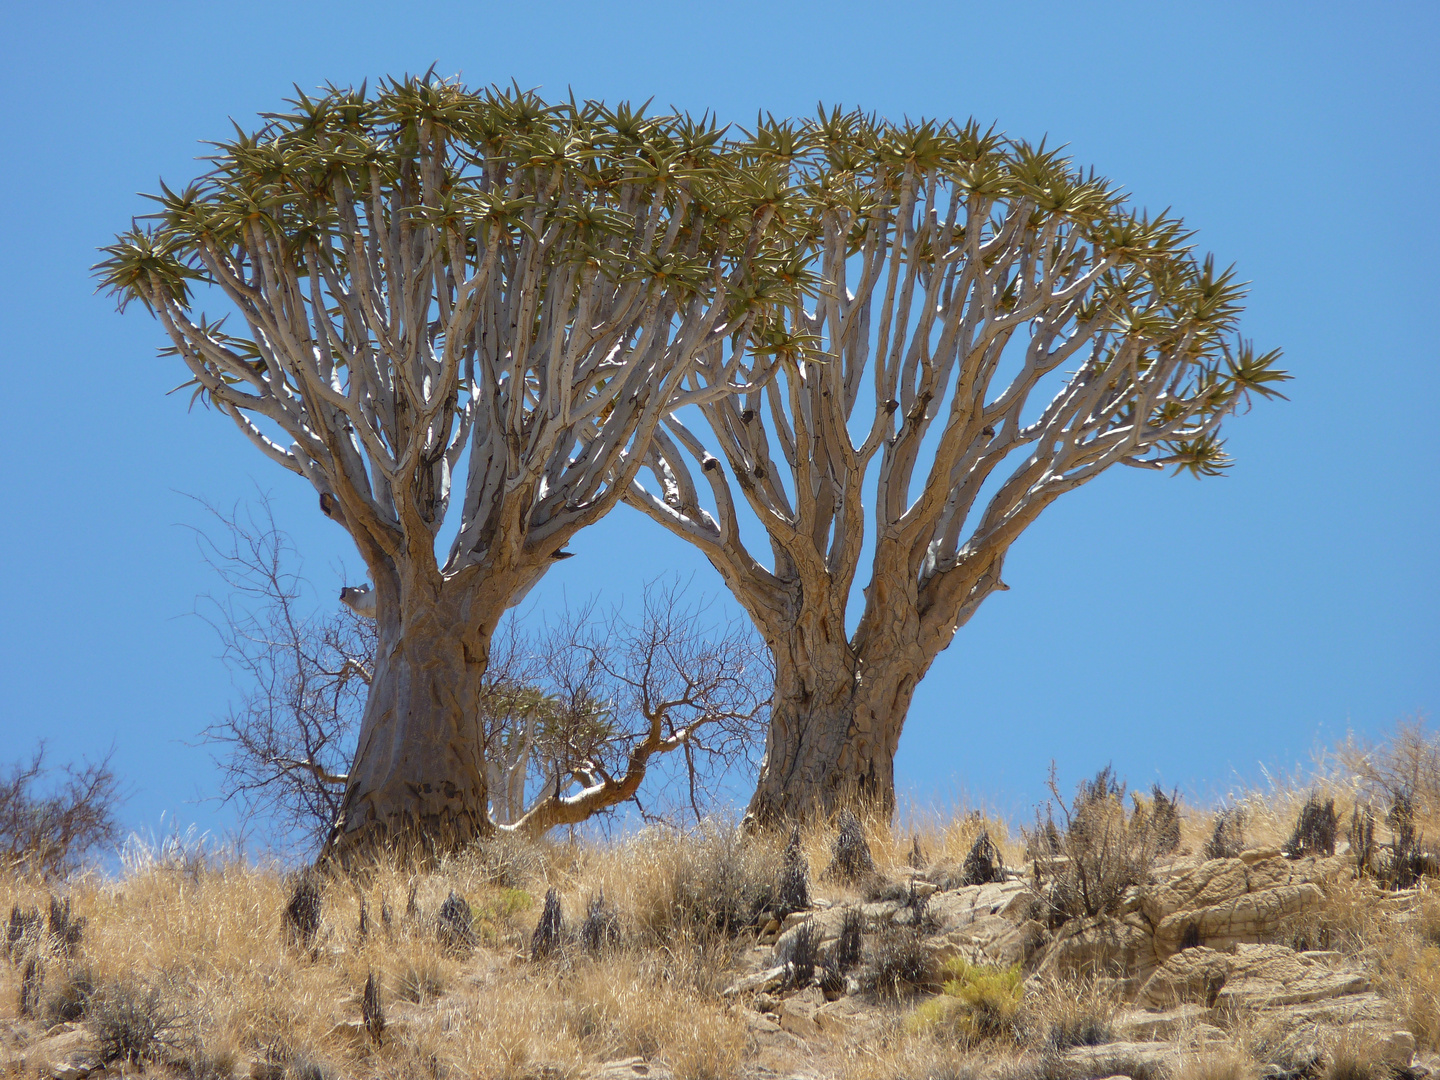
573	718
661	690
48	834
285	744
1102	852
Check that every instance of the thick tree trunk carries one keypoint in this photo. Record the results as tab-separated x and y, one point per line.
834	727
417	783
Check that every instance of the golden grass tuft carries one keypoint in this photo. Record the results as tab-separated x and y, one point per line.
1221	1064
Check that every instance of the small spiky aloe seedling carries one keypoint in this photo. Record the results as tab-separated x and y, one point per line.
548	930
302	913
371	1010
454	924
983	862
850	858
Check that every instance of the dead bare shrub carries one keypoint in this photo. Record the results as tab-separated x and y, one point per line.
1407	761
135	1022
1103	851
899	966
48	833
716	882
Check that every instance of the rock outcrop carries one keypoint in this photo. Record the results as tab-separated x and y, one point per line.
1204	943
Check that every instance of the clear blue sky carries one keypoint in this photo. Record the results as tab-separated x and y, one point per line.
1190	632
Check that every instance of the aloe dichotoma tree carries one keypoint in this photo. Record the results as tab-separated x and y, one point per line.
433	292
996	328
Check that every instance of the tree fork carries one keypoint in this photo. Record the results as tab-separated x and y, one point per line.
832	740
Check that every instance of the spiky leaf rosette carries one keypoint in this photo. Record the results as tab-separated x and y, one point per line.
954	280
422	270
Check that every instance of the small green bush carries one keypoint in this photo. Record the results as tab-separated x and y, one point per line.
976	1004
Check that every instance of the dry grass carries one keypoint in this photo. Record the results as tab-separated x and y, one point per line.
1224	1064
945	838
203	957
1064	1013
200	945
187	960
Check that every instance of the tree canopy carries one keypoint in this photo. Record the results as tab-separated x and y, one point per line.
427	270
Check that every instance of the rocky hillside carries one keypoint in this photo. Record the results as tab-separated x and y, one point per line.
1128	937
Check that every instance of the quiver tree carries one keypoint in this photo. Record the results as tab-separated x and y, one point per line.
427	284
995	329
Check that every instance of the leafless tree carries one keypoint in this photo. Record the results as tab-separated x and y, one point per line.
426	278
572	717
49	833
995	328
659	692
301	677
1406	764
